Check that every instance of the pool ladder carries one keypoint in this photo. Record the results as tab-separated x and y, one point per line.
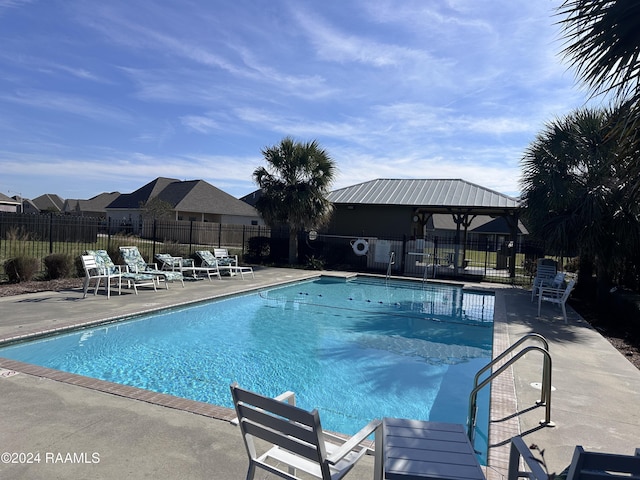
545	396
392	261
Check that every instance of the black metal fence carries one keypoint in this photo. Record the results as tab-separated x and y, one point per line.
38	236
431	257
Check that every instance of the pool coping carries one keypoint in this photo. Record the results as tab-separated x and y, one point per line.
503	424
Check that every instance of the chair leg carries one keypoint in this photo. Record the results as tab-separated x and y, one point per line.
251	472
86	287
539	304
564	312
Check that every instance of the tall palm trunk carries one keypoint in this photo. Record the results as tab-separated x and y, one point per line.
293	246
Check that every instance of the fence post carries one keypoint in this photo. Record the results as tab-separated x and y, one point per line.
244	227
404	251
435	255
50	232
153	234
190	237
219	235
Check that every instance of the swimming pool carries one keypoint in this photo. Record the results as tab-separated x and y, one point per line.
356	350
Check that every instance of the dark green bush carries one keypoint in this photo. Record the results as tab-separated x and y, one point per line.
59	265
314	263
21	269
78	265
258	249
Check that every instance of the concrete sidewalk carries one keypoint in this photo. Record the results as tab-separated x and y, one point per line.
596	390
82	432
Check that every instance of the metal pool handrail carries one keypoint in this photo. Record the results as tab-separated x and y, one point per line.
545	398
392	261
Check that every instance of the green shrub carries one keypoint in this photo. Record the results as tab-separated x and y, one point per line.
79	266
172	248
59	265
258	249
572	265
21	269
314	263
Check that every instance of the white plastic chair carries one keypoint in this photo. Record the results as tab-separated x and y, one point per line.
558	296
553	282
94	272
295	438
546	269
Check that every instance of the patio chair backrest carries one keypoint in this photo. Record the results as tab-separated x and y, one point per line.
90	265
103	261
133	258
278	423
208	259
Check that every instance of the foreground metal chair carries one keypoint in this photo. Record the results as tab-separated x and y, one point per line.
584	465
295	438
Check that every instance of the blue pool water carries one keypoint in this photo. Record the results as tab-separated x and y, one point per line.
356	350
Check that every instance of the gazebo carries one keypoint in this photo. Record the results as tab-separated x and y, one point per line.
407	205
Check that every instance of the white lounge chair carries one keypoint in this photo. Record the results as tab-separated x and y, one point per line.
98	265
137	264
295	438
185	266
558	296
225	264
93	272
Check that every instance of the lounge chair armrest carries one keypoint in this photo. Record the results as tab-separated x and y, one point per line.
354	441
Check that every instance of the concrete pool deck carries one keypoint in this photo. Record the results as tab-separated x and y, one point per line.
84	428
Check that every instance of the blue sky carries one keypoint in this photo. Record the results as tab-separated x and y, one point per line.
107	95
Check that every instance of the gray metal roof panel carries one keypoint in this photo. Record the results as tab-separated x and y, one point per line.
423	193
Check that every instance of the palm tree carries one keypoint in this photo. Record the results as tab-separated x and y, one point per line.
575	189
603	44
295	184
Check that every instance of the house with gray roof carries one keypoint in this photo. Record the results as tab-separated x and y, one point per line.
8	204
48	202
194	200
93	207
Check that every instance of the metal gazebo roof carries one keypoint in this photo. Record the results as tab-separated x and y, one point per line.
429	195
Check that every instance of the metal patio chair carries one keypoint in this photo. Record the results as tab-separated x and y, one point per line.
295	438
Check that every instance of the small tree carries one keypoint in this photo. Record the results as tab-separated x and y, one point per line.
295	184
155	208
